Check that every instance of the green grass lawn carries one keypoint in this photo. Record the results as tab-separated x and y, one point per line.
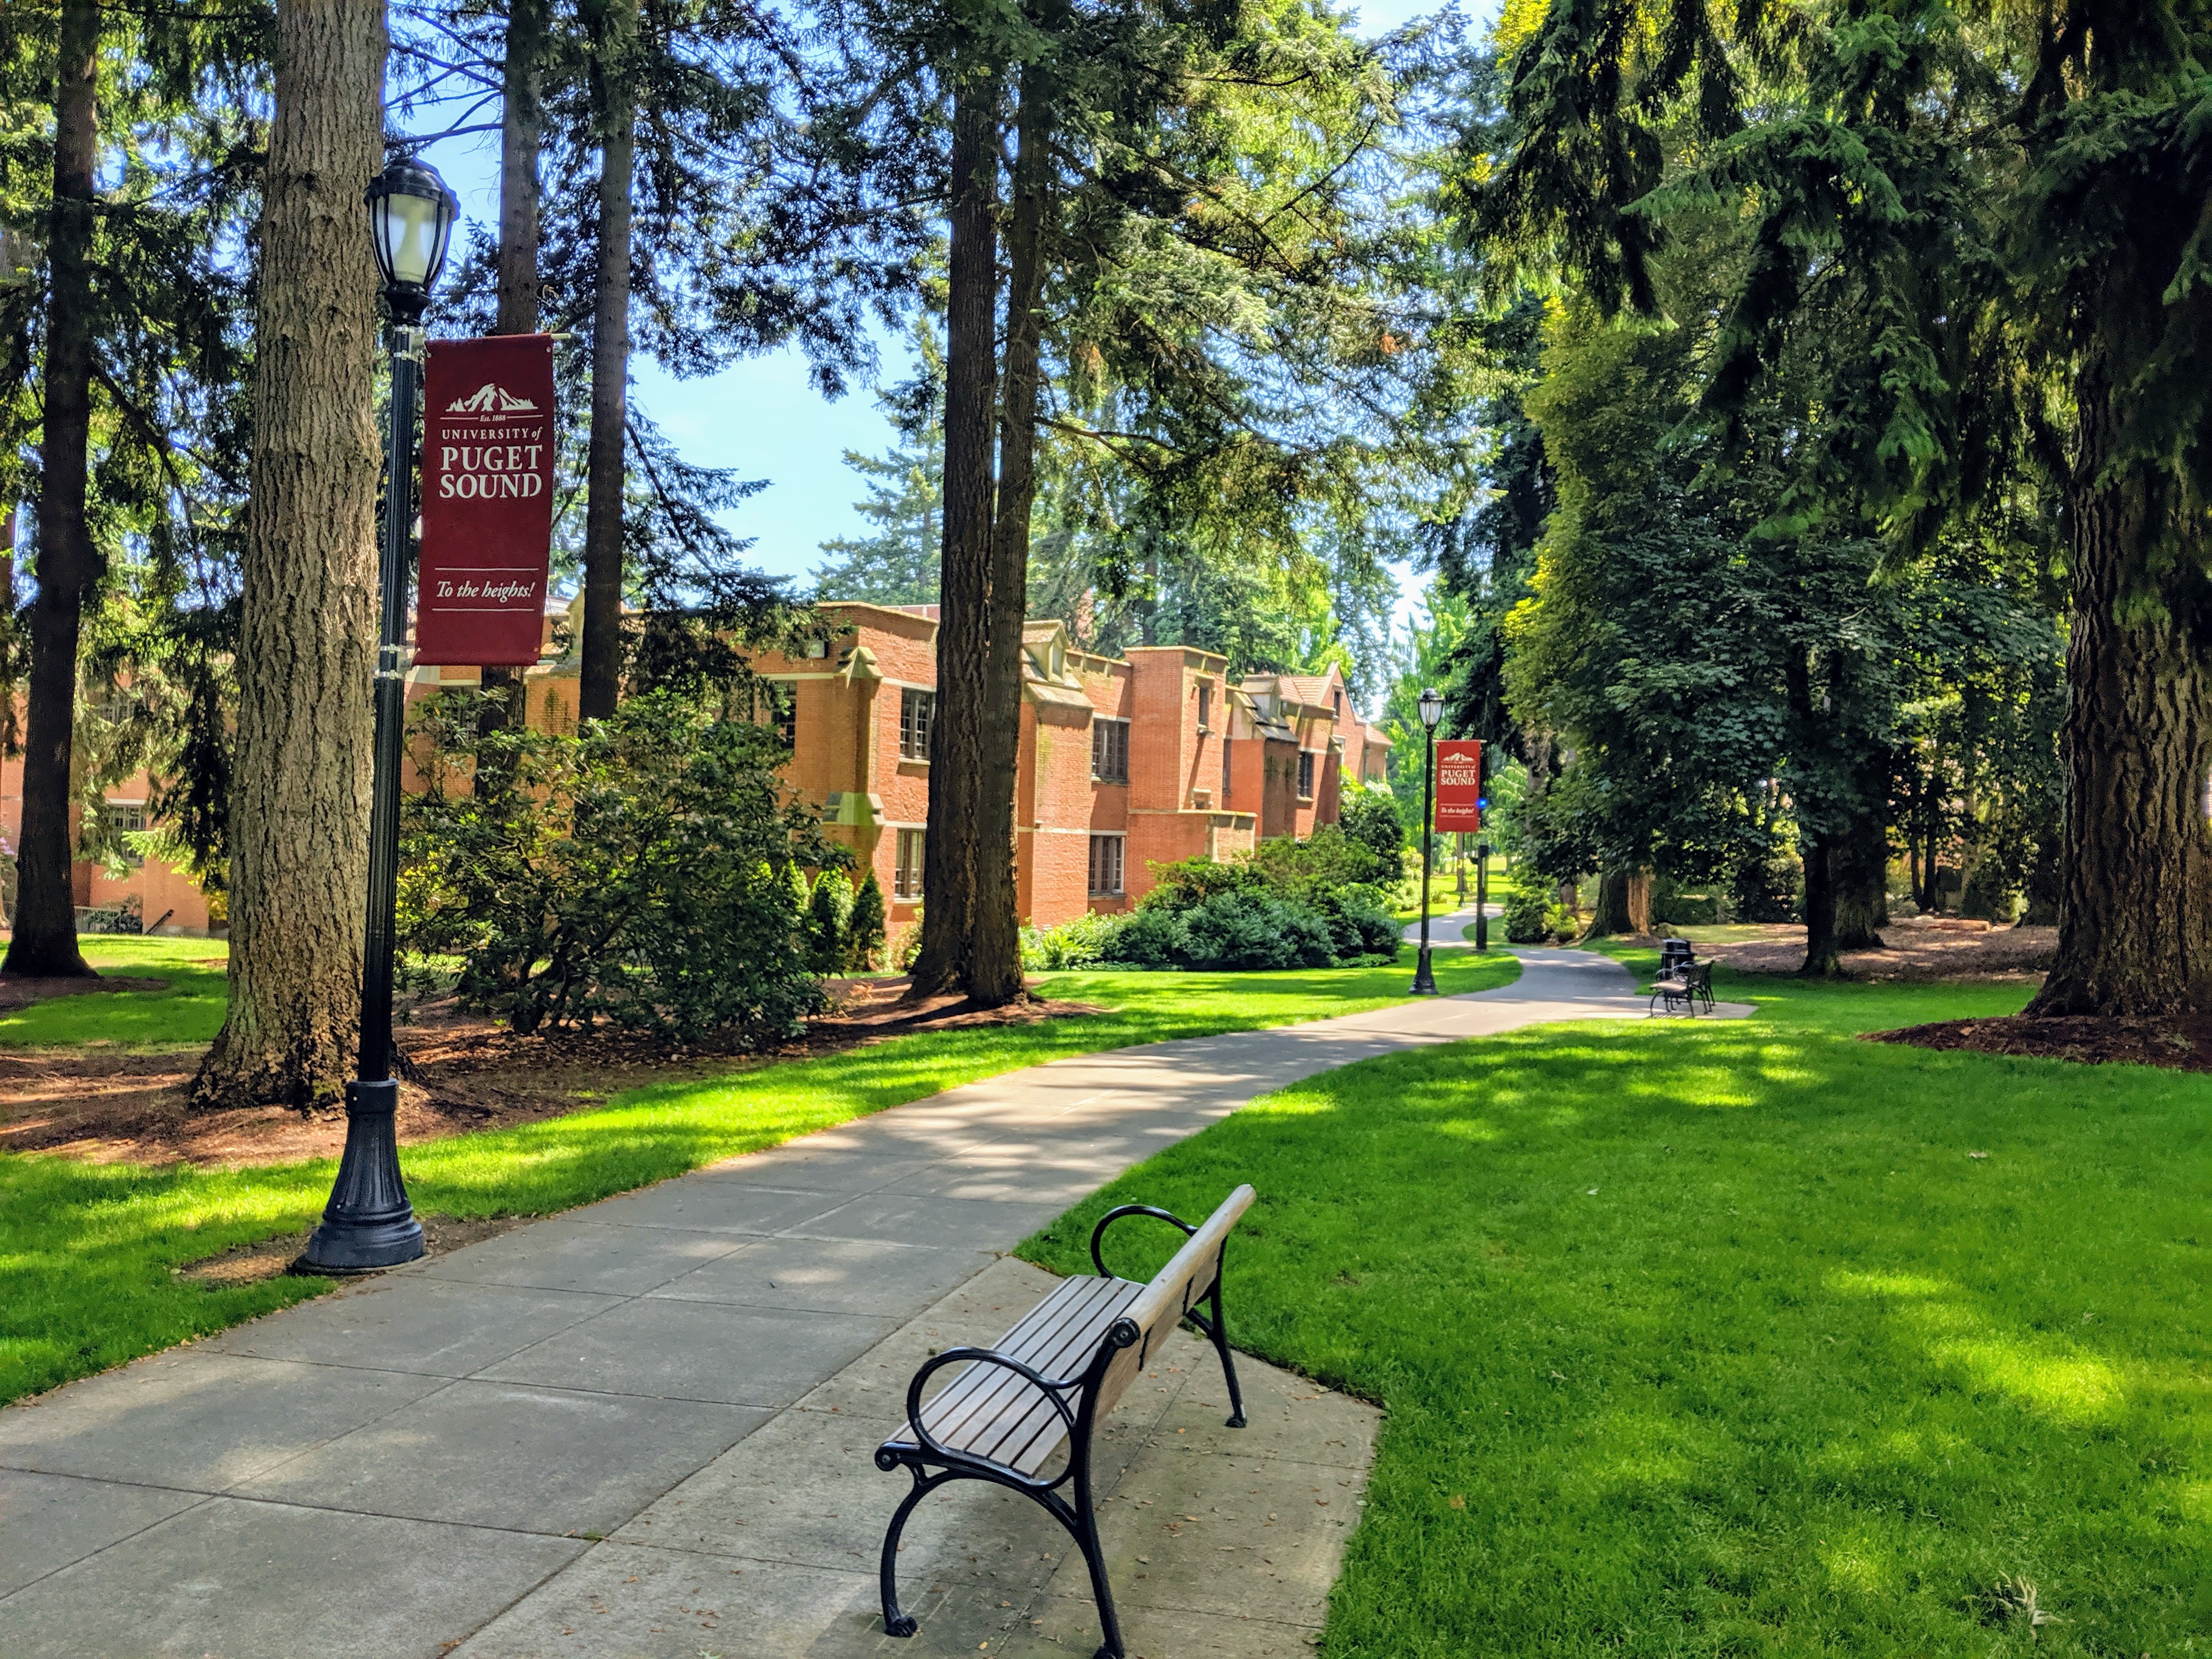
1718	1339
86	1250
189	1011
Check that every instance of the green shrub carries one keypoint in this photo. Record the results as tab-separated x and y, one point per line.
637	873
1360	923
1083	942
1327	859
1527	915
825	922
1254	931
1370	817
864	927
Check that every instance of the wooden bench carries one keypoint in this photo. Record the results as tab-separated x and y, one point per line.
1037	1396
1690	984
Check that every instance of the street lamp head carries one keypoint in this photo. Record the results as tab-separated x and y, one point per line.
1432	709
411	218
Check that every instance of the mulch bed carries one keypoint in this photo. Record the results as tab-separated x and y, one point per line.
1913	948
2181	1043
463	1074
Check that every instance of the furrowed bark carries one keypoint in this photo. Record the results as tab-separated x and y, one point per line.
306	645
1862	866
1610	915
44	938
957	743
995	963
2135	909
521	137
615	24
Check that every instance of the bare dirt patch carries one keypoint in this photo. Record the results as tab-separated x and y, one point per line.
22	990
463	1074
2181	1043
1913	948
248	1264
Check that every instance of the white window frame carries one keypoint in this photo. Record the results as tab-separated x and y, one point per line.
914	730
905	878
1115	845
1103	741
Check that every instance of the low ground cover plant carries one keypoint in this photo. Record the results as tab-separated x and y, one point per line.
1313	903
1739	1337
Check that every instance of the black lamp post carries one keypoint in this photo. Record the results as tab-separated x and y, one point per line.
368	1223
1433	710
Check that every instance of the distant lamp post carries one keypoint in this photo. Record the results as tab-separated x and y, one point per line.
1433	710
368	1223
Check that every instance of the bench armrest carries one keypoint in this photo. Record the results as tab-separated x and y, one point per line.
1098	1233
1051	1387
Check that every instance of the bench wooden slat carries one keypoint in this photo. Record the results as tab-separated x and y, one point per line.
990	1411
987	1411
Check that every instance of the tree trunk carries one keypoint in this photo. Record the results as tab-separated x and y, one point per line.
1610	915
43	941
1862	866
993	975
1821	961
1639	899
614	85
959	741
521	136
299	817
2134	912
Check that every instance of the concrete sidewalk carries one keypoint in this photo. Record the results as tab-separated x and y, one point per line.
1455	928
385	1470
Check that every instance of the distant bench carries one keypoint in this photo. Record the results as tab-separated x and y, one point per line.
1688	985
1046	1383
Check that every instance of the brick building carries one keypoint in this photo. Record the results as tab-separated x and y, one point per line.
1125	762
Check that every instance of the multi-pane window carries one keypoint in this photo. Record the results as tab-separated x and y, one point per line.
916	710
1336	703
1305	774
906	876
126	818
1106	866
783	708
1206	706
1110	750
1224	775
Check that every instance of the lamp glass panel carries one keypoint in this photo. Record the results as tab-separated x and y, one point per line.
410	228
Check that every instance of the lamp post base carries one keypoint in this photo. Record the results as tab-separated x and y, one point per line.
1424	980
368	1223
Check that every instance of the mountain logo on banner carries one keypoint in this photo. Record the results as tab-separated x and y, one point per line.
490	399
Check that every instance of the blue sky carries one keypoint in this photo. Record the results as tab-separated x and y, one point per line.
760	416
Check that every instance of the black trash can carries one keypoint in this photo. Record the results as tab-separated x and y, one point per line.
1674	955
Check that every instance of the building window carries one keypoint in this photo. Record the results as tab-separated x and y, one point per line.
1206	706
1306	775
1106	866
1109	753
127	818
906	875
1336	703
783	711
916	710
1224	775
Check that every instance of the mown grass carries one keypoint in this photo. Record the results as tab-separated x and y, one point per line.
189	1011
87	1251
1717	1339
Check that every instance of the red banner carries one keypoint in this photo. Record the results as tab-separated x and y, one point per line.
488	446
1459	784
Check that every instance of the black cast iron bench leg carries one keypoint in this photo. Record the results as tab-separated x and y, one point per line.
1080	1520
1218	1332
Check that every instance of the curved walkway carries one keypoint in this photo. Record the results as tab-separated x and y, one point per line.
386	1469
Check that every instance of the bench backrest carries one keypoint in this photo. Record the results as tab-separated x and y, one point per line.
1188	1276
